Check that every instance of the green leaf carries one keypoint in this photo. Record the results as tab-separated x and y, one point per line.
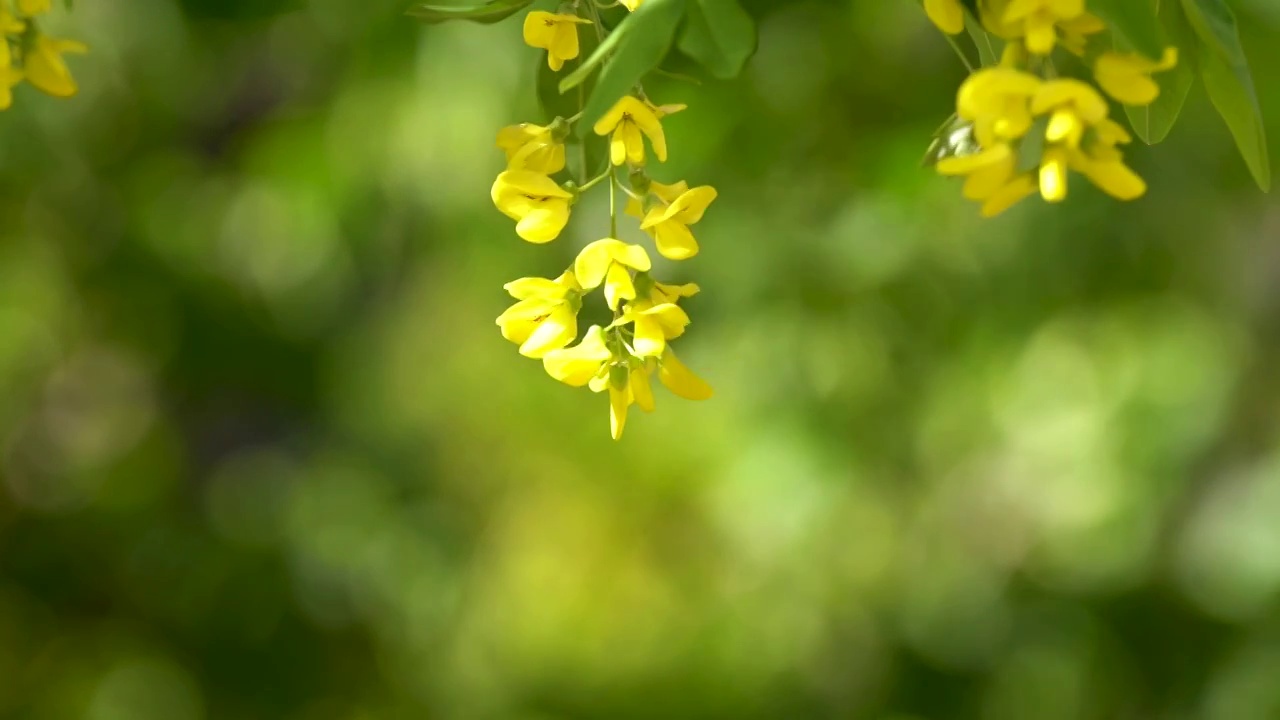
1135	21
982	39
640	41
1153	122
720	35
1225	72
490	12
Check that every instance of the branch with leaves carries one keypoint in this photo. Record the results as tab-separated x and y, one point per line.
591	84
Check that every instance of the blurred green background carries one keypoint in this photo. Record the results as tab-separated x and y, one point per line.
265	455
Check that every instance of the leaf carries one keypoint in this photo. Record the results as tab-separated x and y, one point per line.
1135	21
982	40
1153	122
720	35
643	39
490	12
1225	72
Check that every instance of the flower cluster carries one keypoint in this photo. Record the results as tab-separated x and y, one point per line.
1026	128
622	355
28	54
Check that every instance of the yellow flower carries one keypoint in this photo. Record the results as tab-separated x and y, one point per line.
531	147
631	5
948	15
1040	18
628	118
1081	137
546	316
991	178
1127	76
557	33
535	201
997	101
610	261
1103	164
669	225
46	70
579	364
34	7
655	324
679	379
594	363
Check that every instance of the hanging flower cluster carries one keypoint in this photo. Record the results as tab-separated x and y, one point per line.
28	54
538	192
1019	127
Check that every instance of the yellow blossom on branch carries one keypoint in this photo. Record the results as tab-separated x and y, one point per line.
46	70
546	316
557	33
948	15
531	147
629	121
669	225
610	261
1127	76
539	206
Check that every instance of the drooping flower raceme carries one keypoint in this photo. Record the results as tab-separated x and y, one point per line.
538	188
1032	128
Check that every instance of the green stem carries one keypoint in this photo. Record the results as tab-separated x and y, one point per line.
956	46
595	180
613	204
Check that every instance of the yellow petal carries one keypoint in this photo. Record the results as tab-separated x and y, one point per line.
948	15
680	380
625	106
564	44
618	285
674	240
1053	175
619	400
577	365
544	222
554	332
540	29
965	164
1115	178
1073	94
1011	194
641	390
34	7
45	68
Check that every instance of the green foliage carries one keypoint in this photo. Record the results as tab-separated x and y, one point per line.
1135	21
1153	122
1226	75
490	12
720	35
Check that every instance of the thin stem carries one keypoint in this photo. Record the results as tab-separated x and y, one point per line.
613	204
595	180
960	53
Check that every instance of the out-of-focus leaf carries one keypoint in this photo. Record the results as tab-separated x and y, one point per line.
1225	72
490	12
983	40
1135	21
1153	122
720	35
641	41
